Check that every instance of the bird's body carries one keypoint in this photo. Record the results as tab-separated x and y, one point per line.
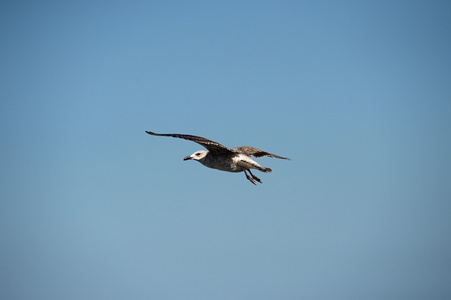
222	158
230	162
223	162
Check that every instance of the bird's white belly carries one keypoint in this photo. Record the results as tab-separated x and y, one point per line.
224	163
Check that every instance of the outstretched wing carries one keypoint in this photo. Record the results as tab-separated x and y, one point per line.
209	144
251	151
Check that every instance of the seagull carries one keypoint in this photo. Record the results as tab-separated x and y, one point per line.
222	158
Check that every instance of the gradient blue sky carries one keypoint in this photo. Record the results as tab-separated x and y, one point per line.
357	93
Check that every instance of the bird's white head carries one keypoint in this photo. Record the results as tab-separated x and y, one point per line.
198	155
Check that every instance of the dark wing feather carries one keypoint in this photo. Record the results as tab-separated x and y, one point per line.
251	151
209	144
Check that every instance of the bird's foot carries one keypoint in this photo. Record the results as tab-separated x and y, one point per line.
249	178
255	177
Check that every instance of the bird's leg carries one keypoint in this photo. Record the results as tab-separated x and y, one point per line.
249	177
255	177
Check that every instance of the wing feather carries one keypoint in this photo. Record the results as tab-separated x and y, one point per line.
251	151
211	146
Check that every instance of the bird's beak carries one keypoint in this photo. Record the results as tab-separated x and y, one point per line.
187	158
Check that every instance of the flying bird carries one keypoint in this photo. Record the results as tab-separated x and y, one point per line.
222	158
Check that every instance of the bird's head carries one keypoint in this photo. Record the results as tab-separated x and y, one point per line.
198	155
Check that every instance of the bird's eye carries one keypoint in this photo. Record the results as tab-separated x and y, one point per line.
197	154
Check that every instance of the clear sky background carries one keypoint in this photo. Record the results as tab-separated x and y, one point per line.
356	93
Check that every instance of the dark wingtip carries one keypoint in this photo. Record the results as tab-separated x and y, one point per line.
281	157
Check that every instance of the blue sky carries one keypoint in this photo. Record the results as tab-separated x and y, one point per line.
356	93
